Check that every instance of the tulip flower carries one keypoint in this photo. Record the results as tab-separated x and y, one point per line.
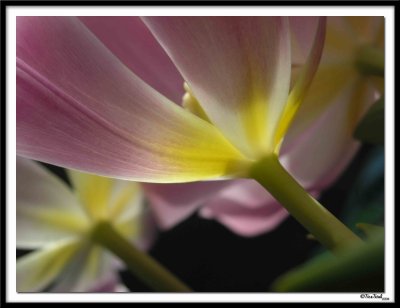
123	128
58	223
243	205
80	106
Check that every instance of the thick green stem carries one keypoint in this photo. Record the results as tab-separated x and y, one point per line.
370	61
325	227
140	264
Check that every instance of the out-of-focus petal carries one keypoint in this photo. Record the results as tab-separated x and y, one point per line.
364	29
38	269
322	153
120	288
126	200
79	107
144	235
238	68
131	215
343	36
172	203
118	201
302	33
246	208
132	42
106	286
323	92
46	209
93	192
113	285
89	269
303	81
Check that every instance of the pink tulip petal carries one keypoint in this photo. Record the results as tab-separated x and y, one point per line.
106	285
79	107
172	203
303	81
324	151
238	68
302	29
338	52
246	208
113	285
247	222
148	231
132	42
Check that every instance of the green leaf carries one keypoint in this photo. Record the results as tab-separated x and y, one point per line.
371	129
360	269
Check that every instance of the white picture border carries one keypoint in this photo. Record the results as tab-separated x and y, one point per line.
13	11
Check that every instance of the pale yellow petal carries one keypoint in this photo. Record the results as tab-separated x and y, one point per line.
93	192
47	210
38	269
90	268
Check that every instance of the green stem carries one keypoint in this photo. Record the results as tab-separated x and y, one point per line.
370	61
325	227
140	264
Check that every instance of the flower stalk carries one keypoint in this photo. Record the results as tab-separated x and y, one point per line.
140	264
324	226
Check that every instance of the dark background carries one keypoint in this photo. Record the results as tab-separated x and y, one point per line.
210	258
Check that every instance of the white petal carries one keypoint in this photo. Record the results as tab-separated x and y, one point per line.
46	208
90	268
38	269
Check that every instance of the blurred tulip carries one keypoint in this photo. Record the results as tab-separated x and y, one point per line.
57	222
